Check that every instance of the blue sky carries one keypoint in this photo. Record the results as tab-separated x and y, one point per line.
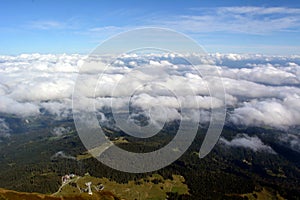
78	26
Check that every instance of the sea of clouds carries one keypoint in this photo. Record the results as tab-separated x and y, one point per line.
261	90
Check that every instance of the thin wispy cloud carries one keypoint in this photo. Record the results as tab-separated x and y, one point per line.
46	24
253	10
247	20
105	31
72	23
244	19
272	28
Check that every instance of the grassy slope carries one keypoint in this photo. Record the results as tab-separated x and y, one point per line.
153	187
13	195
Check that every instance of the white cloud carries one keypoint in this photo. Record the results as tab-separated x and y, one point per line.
43	88
12	106
270	112
245	141
266	74
61	154
60	109
4	128
292	140
59	131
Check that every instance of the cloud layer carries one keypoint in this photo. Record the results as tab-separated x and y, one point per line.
260	90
